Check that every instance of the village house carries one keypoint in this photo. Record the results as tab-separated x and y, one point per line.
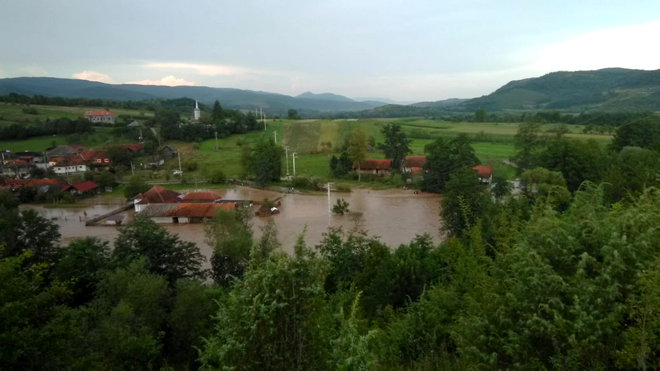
95	157
156	195
167	151
100	116
413	164
70	165
83	188
16	168
374	166
64	150
196	213
485	174
35	158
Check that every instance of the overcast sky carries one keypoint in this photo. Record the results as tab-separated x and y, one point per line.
403	50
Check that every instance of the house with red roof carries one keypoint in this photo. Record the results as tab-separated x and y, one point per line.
135	148
70	165
100	116
86	187
413	164
17	168
375	166
156	195
196	213
96	157
485	173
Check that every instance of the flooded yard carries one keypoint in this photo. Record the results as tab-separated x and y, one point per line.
394	215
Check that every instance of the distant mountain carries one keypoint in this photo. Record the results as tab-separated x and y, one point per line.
324	96
383	100
610	89
447	103
231	98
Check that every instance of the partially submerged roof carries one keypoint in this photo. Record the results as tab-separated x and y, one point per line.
158	195
414	161
483	171
374	164
201	197
157	210
186	210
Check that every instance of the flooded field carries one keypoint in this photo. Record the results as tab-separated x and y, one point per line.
394	215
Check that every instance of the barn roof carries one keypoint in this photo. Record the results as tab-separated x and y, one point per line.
483	171
158	195
374	164
414	161
201	197
187	210
93	154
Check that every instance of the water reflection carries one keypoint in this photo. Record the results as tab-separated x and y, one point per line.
394	215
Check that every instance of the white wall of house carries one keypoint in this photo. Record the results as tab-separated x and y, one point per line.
162	219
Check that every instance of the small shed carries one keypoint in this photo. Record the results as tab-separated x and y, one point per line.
413	164
485	173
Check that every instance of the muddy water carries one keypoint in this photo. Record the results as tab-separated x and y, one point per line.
394	215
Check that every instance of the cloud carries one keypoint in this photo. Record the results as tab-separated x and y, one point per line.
166	81
93	76
202	69
34	71
627	47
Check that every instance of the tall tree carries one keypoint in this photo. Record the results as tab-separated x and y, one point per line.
267	161
357	148
527	141
230	236
396	146
480	115
166	254
445	158
463	201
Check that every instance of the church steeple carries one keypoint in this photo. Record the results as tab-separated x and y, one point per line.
196	111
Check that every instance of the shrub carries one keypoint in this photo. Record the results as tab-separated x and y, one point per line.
30	111
342	188
218	177
311	183
190	165
341	207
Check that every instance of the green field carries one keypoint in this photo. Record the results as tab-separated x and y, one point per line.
13	113
493	143
309	139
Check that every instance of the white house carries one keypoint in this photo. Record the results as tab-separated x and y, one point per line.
70	165
100	116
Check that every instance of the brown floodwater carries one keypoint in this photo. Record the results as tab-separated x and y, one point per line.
396	216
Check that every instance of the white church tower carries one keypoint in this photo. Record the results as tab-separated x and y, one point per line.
196	112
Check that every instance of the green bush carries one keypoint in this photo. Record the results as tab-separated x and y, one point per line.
218	177
342	188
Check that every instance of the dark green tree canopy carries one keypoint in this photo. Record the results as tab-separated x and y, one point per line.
396	146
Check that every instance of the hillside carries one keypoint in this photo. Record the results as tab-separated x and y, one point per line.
232	98
611	89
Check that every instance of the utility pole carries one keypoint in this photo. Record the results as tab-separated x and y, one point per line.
286	151
261	115
294	164
329	207
275	132
178	154
132	170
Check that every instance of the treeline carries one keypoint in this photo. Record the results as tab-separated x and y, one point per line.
59	126
224	122
181	105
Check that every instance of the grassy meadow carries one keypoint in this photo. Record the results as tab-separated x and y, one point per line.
493	142
314	141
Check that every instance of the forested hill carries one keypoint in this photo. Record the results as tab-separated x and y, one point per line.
611	89
231	98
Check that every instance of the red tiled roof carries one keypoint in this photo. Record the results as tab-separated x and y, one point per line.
201	197
373	164
483	171
93	154
17	183
85	186
137	147
199	210
77	146
70	161
158	195
414	161
99	112
21	163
